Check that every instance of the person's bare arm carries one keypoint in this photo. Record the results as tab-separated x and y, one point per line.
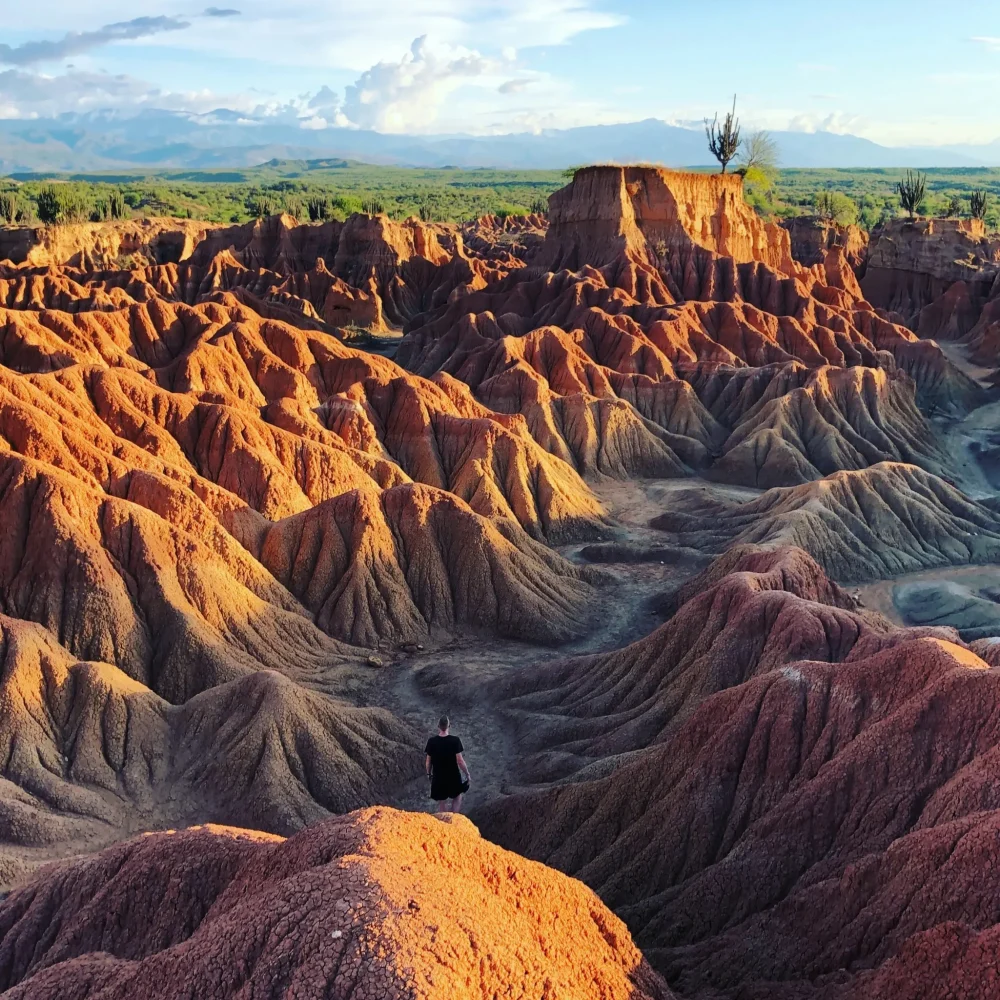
462	765
427	765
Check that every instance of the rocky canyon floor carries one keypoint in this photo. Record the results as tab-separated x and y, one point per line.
691	522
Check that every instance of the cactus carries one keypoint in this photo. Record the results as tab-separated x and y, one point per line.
911	190
319	209
373	206
260	205
117	206
724	140
977	203
11	210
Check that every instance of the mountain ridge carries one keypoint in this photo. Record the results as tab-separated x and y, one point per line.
223	138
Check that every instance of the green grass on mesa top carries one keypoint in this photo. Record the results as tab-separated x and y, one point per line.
453	195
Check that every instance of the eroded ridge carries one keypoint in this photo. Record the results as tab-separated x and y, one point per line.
374	904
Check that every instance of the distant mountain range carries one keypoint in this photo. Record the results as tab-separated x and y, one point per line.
165	139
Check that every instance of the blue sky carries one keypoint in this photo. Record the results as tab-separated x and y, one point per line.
893	71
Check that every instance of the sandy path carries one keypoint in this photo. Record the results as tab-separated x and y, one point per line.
454	678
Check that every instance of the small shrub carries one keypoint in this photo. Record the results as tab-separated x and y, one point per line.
48	206
836	207
11	209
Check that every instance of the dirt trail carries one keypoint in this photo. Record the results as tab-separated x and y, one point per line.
454	677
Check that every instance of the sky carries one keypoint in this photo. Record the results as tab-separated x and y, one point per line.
899	72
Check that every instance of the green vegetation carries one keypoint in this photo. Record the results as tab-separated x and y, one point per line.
758	164
375	206
978	201
724	139
334	189
314	190
12	209
836	207
911	190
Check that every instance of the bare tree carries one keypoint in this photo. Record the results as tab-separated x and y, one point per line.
724	140
977	203
911	190
760	152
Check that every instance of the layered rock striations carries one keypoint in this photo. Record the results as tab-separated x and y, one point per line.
812	236
937	274
665	278
211	518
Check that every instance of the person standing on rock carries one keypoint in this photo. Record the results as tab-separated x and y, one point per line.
446	768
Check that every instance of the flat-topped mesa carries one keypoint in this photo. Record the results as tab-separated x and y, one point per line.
912	264
813	237
945	249
95	245
644	213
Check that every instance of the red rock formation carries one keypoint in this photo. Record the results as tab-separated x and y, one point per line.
812	237
867	525
201	508
935	273
613	212
662	304
375	904
782	796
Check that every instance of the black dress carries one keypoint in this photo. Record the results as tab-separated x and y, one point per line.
446	779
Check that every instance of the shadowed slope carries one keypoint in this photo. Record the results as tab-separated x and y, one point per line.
750	612
787	798
666	276
865	525
89	752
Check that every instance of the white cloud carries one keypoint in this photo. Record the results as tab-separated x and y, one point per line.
991	42
28	94
407	95
513	86
837	122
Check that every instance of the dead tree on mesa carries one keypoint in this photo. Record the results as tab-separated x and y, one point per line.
977	203
724	139
911	190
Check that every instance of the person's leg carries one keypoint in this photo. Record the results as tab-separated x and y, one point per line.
456	804
443	806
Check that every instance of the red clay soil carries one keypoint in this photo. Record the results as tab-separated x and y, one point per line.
376	905
780	796
215	509
212	516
